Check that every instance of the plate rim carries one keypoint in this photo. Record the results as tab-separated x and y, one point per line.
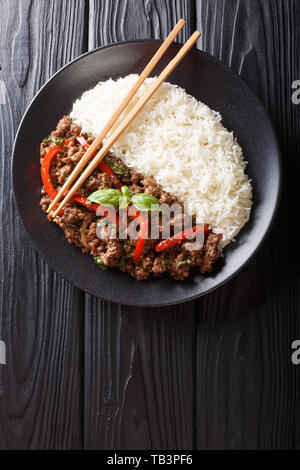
278	158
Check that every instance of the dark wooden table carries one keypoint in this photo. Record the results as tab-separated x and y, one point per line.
212	374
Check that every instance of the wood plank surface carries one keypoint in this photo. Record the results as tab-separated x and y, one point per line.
139	364
40	314
212	374
247	388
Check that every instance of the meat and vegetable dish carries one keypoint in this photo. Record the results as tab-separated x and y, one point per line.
95	216
160	189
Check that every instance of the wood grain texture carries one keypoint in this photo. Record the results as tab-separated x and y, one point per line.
126	20
247	389
139	369
212	374
139	377
40	314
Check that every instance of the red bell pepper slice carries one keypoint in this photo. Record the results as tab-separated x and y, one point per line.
83	142
181	236
142	238
45	168
45	173
102	165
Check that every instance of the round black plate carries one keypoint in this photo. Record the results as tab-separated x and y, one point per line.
203	77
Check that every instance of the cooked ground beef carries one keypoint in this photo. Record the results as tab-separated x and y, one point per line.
82	227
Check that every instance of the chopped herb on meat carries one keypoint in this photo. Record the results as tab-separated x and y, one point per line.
59	141
186	262
100	263
47	140
165	261
119	168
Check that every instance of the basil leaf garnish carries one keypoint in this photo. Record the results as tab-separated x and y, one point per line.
105	197
145	202
125	191
112	197
124	202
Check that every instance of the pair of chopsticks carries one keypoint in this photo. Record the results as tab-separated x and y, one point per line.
128	119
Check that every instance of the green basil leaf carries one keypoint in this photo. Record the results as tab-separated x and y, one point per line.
145	202
124	202
125	191
105	197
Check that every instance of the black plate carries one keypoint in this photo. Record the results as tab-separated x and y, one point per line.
203	77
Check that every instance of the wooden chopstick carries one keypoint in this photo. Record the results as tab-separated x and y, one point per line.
130	117
96	143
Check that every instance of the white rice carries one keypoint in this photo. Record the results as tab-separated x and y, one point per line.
182	143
